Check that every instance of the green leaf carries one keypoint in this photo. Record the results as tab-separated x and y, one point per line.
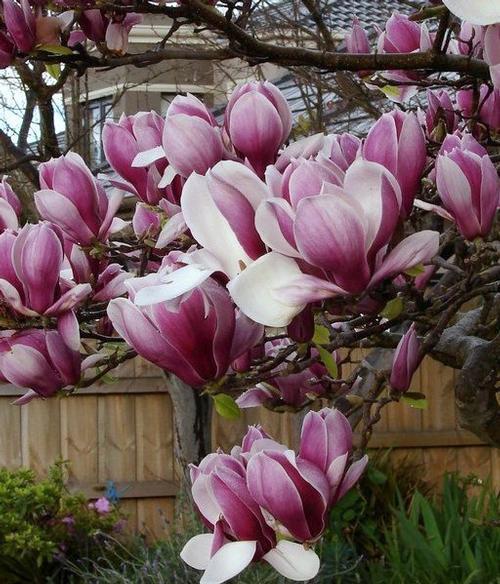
328	361
53	69
391	91
377	476
321	335
55	49
226	407
415	400
415	271
393	308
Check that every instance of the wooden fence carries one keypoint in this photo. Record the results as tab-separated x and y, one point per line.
122	433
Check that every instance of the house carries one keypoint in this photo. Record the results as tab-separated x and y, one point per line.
101	95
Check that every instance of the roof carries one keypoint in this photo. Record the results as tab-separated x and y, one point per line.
337	14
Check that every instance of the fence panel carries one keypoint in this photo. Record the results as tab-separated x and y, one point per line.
122	432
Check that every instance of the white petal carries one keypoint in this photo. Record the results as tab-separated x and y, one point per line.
229	561
148	157
209	226
174	227
476	12
196	552
433	208
253	290
118	224
176	283
293	561
168	176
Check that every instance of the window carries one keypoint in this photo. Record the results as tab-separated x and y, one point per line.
99	110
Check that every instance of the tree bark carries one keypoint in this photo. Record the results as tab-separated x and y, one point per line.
475	389
191	424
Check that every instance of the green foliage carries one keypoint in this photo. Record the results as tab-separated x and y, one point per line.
364	513
42	524
453	539
226	407
388	531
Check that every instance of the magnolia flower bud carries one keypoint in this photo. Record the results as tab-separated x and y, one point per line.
406	361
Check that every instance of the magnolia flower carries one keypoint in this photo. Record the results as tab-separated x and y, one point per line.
469	187
196	336
406	360
10	207
191	140
477	12
333	232
397	142
258	121
219	210
440	116
488	107
38	360
492	52
402	35
263	502
74	200
111	283
133	148
20	23
146	221
293	389
30	281
357	39
113	31
7	50
471	39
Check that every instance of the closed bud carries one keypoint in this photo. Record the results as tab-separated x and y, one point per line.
406	361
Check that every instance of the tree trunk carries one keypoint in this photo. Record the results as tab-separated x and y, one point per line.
192	423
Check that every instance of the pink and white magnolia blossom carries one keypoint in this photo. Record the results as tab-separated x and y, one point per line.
264	502
75	201
20	23
258	122
292	389
146	221
356	39
440	116
39	361
477	12
10	207
330	232
30	281
133	147
402	35
486	110
195	336
191	140
112	30
492	52
406	360
471	40
469	188
219	209
397	142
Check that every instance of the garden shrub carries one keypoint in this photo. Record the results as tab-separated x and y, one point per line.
42	525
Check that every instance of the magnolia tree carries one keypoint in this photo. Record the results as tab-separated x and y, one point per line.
253	267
